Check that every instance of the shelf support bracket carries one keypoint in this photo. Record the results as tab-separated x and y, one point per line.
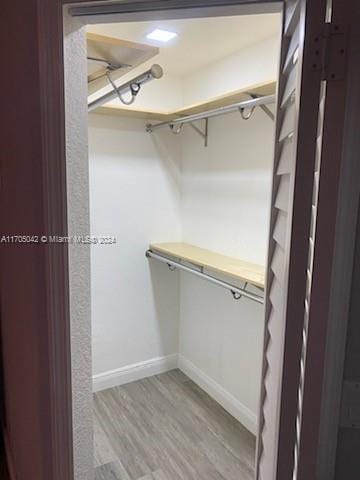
203	134
264	108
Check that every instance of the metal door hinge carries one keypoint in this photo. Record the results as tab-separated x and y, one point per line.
329	52
350	405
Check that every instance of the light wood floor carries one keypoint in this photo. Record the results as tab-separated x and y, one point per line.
167	428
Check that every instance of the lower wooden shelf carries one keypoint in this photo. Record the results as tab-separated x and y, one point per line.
213	262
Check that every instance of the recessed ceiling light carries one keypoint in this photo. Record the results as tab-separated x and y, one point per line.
161	35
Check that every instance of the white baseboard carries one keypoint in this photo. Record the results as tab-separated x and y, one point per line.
245	416
134	372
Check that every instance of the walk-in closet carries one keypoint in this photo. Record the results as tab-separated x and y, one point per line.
181	145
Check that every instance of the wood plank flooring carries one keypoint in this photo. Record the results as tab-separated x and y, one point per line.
166	428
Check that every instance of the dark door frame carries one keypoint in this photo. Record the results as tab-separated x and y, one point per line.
35	318
34	277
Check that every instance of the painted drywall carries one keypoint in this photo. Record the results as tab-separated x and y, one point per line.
135	197
227	185
225	198
79	255
233	73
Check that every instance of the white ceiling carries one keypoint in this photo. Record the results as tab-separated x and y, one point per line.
200	41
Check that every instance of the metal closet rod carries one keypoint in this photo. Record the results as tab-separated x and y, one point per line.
240	292
255	102
154	73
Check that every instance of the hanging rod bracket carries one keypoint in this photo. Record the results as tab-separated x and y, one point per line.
237	292
134	89
248	115
236	295
133	86
264	108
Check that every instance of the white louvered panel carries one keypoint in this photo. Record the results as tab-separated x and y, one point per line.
282	196
277	264
313	218
308	285
274	357
311	252
288	122
316	187
275	297
290	86
321	117
318	146
267	462
318	156
306	306
309	273
291	57
273	322
271	384
292	12
287	150
284	162
280	229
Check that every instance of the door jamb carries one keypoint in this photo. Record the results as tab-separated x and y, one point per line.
53	214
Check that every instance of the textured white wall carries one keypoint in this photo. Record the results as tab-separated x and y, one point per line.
79	256
255	64
134	196
226	186
226	198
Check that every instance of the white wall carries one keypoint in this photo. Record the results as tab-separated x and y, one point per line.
226	197
247	67
226	186
134	196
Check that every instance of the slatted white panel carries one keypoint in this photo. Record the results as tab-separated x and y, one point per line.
280	230
309	276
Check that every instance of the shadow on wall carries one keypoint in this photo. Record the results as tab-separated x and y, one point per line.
165	286
170	155
234	144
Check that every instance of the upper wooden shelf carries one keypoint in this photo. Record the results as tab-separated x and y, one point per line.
261	89
221	264
116	51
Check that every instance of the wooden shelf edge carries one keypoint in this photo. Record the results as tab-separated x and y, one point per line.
216	262
234	96
137	114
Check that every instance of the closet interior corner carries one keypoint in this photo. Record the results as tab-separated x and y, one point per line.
181	146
